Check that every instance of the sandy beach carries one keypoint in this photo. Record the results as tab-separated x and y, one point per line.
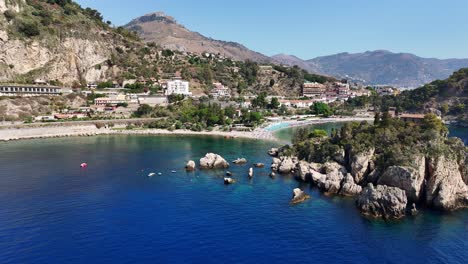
51	130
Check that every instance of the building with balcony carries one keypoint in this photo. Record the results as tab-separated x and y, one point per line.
29	90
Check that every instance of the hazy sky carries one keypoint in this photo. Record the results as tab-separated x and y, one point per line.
310	28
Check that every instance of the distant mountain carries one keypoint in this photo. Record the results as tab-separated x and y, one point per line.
166	32
379	67
292	60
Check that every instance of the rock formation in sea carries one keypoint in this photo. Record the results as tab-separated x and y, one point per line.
190	166
213	161
382	201
228	181
251	173
438	182
273	152
259	165
409	179
299	196
239	161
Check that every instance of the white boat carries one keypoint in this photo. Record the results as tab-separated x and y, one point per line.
151	174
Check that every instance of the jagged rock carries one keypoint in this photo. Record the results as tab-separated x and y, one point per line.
330	167
340	157
213	161
382	201
445	188
299	196
273	152
373	176
287	164
239	161
275	164
317	177
359	164
303	171
259	165
413	210
228	181
464	169
228	173
409	179
272	175
251	173
190	166
434	111
331	183
349	187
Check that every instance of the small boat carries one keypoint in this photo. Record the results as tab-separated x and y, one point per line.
84	165
159	173
151	174
173	171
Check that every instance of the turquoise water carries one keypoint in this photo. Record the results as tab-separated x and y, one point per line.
51	211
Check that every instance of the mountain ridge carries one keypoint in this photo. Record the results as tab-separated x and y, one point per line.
379	67
164	30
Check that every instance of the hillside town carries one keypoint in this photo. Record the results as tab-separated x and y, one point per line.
114	100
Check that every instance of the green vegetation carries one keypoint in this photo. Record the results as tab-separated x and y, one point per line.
322	109
395	142
450	96
203	116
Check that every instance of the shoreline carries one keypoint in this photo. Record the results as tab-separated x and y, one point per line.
71	129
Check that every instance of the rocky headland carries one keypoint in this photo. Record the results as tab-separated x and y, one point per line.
391	169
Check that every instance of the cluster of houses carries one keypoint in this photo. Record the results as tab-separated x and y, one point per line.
117	101
325	93
383	90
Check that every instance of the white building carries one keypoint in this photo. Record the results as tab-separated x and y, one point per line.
298	103
29	90
153	100
178	87
111	100
220	90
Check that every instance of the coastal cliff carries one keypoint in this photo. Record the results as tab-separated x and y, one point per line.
56	41
391	167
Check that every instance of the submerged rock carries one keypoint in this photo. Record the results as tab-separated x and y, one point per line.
259	165
299	196
228	173
190	166
272	175
239	161
213	161
382	201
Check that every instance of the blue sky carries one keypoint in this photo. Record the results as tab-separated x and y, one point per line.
310	28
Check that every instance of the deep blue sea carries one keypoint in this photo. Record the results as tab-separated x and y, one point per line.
51	211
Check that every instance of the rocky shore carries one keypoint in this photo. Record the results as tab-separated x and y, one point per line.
436	182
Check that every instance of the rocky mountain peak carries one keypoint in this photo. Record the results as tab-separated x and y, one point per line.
155	17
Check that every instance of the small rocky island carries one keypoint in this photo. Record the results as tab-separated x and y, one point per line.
392	167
